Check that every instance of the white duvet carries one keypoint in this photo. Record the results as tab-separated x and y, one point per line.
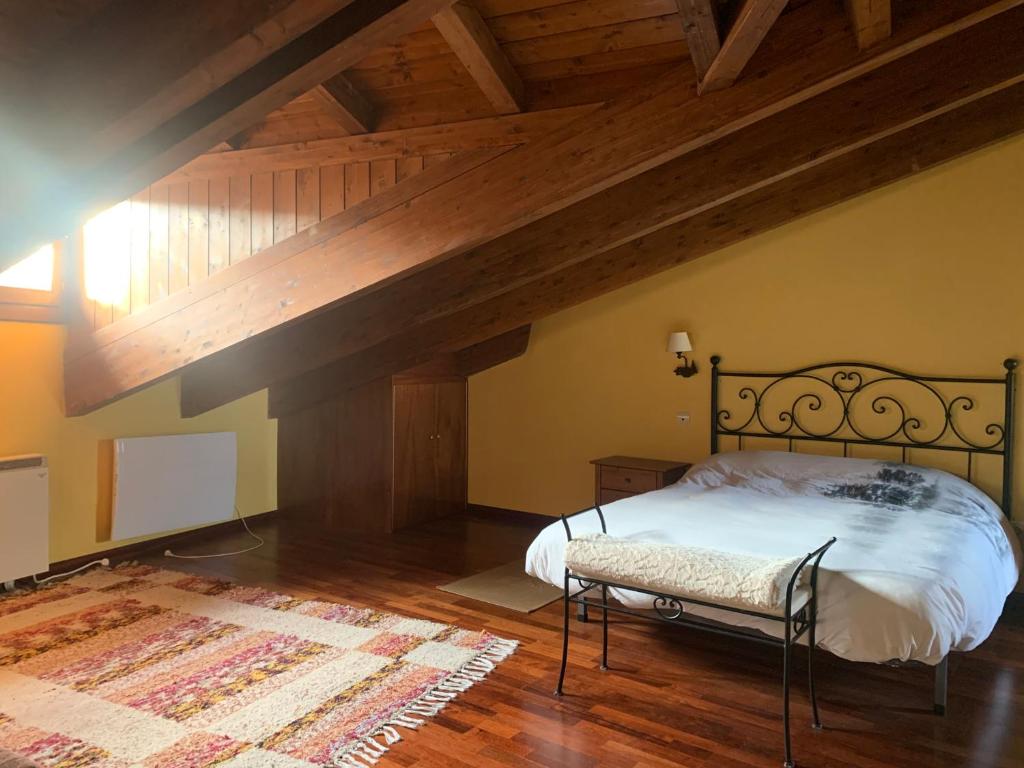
923	563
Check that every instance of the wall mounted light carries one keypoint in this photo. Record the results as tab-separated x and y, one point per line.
679	343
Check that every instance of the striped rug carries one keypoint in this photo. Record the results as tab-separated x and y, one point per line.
139	666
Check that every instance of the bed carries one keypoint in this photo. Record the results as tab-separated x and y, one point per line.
924	558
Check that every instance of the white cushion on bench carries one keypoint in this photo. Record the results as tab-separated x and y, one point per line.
724	578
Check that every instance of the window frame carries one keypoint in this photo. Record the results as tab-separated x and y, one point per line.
27	305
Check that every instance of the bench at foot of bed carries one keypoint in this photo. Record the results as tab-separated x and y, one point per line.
676	576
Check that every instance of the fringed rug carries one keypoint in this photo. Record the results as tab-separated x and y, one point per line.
139	666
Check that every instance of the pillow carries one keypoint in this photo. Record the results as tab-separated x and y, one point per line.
870	481
775	471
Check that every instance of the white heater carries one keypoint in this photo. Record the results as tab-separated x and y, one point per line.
173	481
24	517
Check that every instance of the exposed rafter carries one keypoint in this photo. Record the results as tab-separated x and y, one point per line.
620	141
700	26
871	20
896	157
340	99
899	97
752	23
469	37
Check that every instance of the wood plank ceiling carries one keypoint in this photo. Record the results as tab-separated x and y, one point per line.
579	130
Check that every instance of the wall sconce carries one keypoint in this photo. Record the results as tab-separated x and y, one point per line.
679	343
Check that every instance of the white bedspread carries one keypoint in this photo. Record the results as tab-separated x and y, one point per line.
923	563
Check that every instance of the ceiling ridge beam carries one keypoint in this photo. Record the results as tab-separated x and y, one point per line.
469	37
346	105
482	133
753	20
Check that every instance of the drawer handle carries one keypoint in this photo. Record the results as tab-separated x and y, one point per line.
629	480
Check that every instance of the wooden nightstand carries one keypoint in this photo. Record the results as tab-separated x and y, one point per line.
617	477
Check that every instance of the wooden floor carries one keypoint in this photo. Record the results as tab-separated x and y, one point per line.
672	697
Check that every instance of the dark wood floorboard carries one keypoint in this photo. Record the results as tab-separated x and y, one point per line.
672	697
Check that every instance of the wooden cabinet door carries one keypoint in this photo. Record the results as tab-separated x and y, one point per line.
415	450
452	447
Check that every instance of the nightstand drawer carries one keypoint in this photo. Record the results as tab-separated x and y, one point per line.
632	480
607	495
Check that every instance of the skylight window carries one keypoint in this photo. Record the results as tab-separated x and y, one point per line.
33	273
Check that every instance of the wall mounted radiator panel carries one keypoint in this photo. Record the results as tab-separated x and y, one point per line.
173	481
24	517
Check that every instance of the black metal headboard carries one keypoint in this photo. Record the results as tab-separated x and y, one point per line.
853	403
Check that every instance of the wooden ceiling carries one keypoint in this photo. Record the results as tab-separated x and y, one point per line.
593	142
493	57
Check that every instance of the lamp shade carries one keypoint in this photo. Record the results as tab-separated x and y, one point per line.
679	342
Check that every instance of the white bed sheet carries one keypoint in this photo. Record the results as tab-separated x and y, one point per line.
923	563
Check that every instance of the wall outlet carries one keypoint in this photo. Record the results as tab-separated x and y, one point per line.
684	417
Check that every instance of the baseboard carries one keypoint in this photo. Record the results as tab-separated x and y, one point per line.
510	515
132	551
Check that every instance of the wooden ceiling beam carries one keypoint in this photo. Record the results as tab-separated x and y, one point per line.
700	26
619	141
346	105
471	40
899	96
485	133
476	357
55	207
752	23
876	165
217	285
871	20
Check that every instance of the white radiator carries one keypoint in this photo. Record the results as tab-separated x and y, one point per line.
24	517
173	481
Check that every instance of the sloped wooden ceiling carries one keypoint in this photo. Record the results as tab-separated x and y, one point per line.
528	154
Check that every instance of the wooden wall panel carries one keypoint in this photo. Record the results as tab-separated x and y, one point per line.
182	233
177	237
198	231
220	235
140	251
262	211
158	243
240	227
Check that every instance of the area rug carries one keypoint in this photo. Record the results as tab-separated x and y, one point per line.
508	586
139	666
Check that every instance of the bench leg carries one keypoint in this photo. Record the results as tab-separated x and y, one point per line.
581	611
604	628
565	635
941	683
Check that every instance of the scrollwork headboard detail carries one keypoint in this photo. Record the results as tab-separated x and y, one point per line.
851	403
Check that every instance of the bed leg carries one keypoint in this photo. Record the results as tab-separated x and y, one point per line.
811	642
785	693
941	683
604	628
565	635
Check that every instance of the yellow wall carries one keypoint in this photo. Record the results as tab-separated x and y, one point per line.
926	275
31	421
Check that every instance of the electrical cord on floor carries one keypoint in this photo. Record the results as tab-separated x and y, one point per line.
103	561
260	543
